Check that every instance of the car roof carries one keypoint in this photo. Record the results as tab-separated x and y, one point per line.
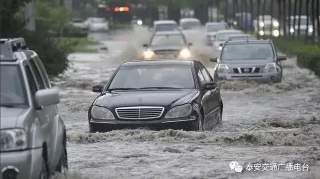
248	41
228	31
189	20
159	62
215	23
164	22
14	50
173	32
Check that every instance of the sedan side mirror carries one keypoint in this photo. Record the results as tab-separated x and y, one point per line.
210	86
214	60
282	58
47	97
145	45
97	88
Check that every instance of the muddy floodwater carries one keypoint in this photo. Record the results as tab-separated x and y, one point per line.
263	125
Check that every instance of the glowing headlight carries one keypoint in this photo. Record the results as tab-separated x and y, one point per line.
101	113
148	54
139	22
275	33
270	67
222	68
310	29
179	111
13	139
291	30
261	33
261	24
185	53
275	23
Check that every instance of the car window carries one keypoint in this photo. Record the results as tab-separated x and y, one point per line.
43	72
31	80
164	40
173	76
37	74
206	75
201	77
12	89
166	27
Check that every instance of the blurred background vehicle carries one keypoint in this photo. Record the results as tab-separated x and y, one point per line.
211	29
268	25
97	24
167	45
305	27
165	25
222	36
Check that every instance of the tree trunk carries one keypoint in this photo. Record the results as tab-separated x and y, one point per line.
284	22
252	13
258	14
271	13
313	18
289	14
294	17
299	19
318	18
263	12
280	16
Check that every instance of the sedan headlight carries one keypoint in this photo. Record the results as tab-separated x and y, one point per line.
261	24
222	68
270	68
179	111
185	53
101	113
310	29
148	54
12	139
291	30
275	24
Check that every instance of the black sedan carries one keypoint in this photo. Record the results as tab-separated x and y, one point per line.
157	94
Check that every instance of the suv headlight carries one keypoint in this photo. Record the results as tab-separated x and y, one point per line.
270	68
12	139
222	68
185	53
101	113
179	111
148	54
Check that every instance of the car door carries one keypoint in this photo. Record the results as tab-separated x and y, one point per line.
211	99
47	114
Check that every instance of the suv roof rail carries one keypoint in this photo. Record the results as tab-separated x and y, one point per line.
9	46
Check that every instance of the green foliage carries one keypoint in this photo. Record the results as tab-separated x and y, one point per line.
308	55
78	44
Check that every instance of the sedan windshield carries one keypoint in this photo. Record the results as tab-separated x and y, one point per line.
12	91
247	52
152	76
215	27
167	40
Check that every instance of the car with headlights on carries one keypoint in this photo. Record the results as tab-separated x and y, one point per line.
32	134
266	25
177	94
211	29
223	36
249	60
167	45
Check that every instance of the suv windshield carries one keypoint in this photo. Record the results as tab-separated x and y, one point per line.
190	25
225	36
12	91
167	40
153	76
247	52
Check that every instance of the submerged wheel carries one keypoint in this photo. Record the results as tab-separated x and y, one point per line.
44	173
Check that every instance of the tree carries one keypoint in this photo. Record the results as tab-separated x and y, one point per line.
11	19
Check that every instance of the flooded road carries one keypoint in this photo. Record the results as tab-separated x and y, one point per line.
262	124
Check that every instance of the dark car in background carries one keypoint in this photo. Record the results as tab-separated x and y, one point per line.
157	94
249	60
167	45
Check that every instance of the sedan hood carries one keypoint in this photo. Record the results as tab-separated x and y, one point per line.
165	48
9	117
146	98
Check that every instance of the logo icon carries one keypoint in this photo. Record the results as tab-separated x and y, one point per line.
235	166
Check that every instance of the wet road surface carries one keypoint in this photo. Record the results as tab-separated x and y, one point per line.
262	123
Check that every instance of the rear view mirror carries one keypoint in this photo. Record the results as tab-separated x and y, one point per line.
282	58
145	45
210	86
97	88
213	59
47	97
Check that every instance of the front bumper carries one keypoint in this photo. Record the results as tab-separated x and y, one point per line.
107	125
266	77
26	162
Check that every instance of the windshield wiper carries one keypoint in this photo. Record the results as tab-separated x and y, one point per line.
159	87
124	89
11	105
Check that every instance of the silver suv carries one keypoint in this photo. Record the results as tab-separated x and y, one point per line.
249	60
32	134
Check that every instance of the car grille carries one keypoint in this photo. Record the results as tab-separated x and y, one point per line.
139	112
246	70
